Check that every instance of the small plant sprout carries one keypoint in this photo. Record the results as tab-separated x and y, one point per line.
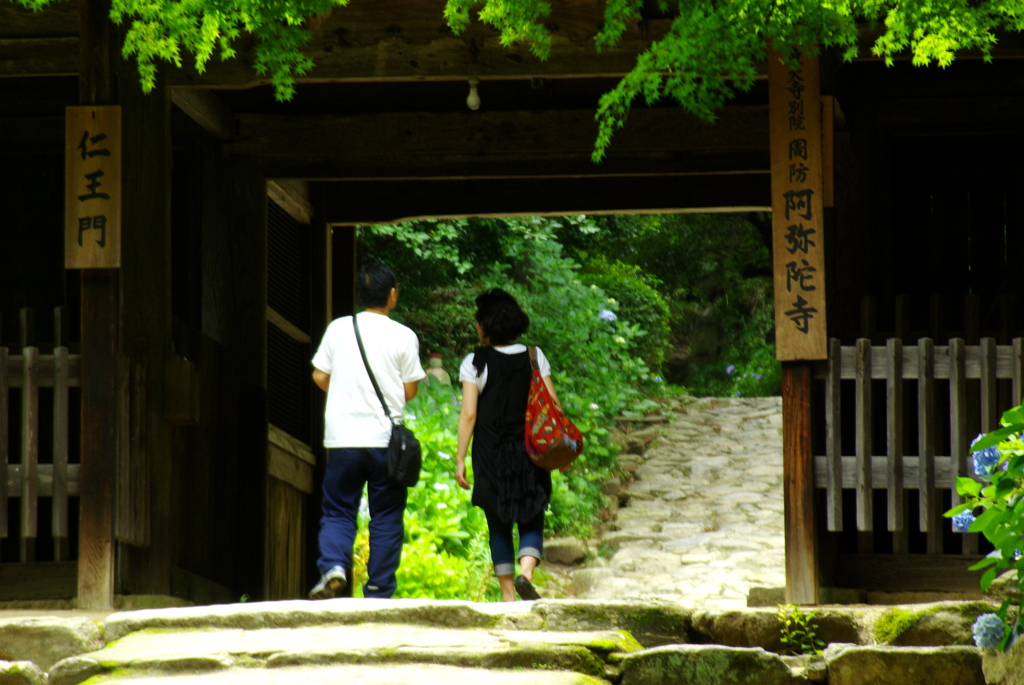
798	630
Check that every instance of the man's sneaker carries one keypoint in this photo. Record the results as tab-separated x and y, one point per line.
525	588
331	584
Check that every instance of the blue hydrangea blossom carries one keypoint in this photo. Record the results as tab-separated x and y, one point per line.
988	631
985	460
962	521
606	315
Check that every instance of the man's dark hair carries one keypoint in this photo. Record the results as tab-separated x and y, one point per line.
374	284
501	317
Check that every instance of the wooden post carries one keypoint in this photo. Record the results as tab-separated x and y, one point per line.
99	326
798	470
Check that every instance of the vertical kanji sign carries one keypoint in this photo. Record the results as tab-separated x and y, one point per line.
92	205
794	116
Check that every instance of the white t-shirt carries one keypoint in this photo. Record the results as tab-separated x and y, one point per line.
354	416
467	372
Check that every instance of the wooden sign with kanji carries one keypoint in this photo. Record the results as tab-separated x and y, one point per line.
794	117
92	224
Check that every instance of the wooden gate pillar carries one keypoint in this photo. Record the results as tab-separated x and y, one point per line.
795	117
798	484
99	332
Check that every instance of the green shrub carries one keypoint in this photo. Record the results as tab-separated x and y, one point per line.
638	301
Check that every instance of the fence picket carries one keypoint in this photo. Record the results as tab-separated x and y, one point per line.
929	505
833	437
989	405
894	432
1018	371
5	437
61	370
29	452
863	435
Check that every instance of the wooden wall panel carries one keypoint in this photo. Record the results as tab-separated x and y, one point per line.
285	561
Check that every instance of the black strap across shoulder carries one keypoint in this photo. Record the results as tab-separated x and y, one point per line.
362	353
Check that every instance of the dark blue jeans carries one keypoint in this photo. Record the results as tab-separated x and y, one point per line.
348	469
531	541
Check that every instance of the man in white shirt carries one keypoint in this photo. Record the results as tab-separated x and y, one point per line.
357	431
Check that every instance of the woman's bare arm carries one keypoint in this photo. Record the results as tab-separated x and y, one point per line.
467	422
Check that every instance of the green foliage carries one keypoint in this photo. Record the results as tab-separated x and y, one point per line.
715	272
1001	497
168	30
639	301
798	630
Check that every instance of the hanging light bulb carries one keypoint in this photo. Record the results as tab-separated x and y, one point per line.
473	99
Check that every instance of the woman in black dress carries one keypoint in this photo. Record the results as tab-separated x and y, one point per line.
509	487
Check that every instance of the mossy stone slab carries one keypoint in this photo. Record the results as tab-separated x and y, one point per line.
651	622
212	649
299	613
45	640
706	665
20	673
762	628
874	665
929	625
353	675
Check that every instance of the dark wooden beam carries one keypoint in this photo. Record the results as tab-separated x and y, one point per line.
100	363
365	202
206	109
59	19
472	144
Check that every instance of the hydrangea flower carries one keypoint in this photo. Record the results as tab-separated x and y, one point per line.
593	405
985	460
758	376
606	315
611	300
729	369
659	379
442	505
988	631
443	455
620	340
963	521
440	486
739	394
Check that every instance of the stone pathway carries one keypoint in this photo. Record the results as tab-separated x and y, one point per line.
703	521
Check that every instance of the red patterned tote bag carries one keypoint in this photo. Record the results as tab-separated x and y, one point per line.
552	441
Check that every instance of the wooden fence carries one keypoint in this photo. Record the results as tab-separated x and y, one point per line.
28	479
987	363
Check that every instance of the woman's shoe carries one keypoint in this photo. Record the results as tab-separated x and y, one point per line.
525	589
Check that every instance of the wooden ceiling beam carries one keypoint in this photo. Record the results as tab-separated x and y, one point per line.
206	109
366	202
501	144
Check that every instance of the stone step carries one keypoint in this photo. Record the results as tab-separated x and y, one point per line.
414	674
225	649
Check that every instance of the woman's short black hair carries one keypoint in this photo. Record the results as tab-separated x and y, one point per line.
374	284
501	317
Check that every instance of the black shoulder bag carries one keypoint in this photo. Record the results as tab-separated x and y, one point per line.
404	454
